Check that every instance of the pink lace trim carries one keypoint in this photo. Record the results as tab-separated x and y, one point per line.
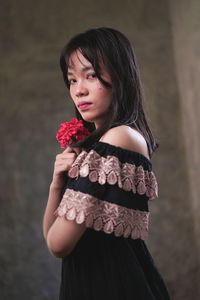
104	216
111	170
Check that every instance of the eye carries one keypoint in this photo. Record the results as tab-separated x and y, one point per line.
92	75
71	80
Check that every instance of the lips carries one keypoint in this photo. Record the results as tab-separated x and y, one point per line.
83	105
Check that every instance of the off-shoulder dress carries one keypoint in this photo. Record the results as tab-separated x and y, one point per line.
108	188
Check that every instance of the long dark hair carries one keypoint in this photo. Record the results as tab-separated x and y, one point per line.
115	51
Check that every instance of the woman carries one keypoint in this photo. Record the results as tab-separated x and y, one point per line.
97	219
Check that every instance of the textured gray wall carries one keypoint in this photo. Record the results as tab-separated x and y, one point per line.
186	37
33	103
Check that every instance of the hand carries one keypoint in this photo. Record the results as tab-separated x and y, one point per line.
62	164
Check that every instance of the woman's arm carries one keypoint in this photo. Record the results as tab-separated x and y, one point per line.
54	199
60	234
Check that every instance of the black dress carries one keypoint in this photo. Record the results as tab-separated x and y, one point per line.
108	188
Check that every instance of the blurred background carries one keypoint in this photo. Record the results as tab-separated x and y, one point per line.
34	101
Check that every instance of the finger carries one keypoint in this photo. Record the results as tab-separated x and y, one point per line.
77	150
68	150
71	150
61	167
67	156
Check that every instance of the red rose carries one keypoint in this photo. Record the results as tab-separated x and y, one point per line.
71	132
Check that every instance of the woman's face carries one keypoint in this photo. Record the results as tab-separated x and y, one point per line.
90	96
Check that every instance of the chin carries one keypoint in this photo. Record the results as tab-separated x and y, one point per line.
87	119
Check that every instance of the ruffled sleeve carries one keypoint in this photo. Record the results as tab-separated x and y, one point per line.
108	188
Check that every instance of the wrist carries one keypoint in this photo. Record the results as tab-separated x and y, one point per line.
54	187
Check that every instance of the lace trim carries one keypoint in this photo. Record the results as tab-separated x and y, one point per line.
104	216
111	170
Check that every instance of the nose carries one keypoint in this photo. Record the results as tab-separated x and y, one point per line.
81	89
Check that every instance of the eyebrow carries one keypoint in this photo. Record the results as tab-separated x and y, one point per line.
85	69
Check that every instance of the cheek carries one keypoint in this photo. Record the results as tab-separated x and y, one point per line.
104	92
71	91
107	94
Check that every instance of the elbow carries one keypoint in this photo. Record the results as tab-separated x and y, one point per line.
59	254
56	248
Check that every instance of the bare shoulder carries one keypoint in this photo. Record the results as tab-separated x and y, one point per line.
127	138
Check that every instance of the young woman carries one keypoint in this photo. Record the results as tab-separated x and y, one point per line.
96	220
